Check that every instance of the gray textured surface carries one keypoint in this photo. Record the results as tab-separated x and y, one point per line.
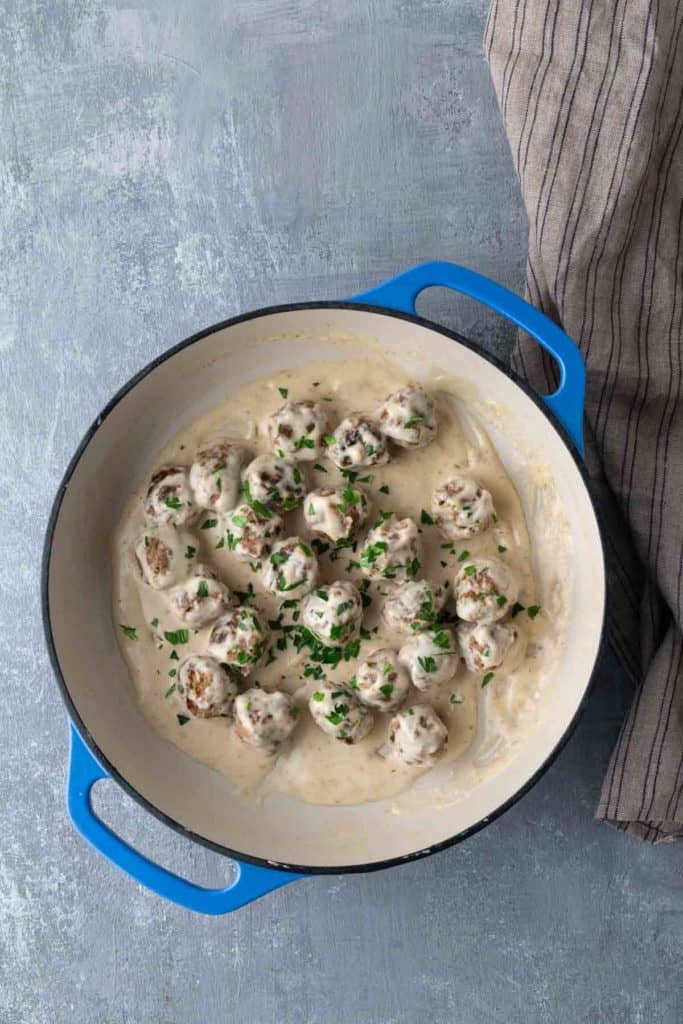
163	166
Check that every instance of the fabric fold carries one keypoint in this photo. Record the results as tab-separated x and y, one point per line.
591	94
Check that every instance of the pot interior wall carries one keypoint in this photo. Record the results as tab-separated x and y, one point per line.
174	393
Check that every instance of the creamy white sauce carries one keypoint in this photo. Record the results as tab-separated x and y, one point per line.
486	724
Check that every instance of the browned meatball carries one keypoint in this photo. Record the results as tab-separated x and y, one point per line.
170	498
205	686
165	555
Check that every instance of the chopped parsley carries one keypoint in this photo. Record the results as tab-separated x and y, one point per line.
182	719
413	568
318	695
170	690
209	524
304	442
130	632
427	664
328	439
454	699
463	555
385	489
284	392
203	589
371	553
501	549
154	623
321	469
382	518
190	551
337	716
425	518
283	586
516	609
469	570
487	679
178	636
386	689
257	506
173	503
533	610
414	421
350	496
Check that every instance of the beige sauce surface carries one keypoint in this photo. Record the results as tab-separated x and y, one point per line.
485	724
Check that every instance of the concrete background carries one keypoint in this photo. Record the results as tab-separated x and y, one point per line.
165	165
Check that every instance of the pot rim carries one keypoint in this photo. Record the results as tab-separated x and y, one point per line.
72	710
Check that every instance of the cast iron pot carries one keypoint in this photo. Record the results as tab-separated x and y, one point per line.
109	737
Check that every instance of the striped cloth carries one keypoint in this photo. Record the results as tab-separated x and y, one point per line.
591	92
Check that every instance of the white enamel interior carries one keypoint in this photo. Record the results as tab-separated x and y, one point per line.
118	456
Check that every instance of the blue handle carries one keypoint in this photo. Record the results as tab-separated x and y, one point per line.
250	882
567	402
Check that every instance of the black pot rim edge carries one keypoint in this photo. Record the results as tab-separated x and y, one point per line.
89	740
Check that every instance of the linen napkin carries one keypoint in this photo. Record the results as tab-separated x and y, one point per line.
591	93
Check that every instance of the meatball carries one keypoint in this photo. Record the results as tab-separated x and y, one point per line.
291	566
296	430
274	483
417	736
381	681
413	606
484	589
461	508
391	550
251	534
199	599
239	639
205	686
170	498
165	556
335	512
484	647
338	712
265	718
430	657
333	613
357	442
408	417
215	476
